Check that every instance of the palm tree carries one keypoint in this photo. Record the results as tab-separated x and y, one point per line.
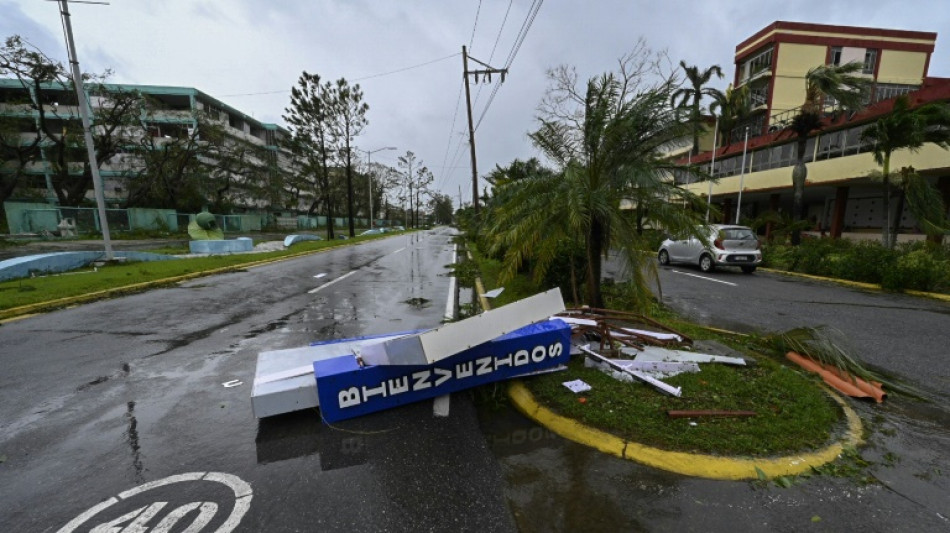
838	82
607	149
690	96
908	129
733	106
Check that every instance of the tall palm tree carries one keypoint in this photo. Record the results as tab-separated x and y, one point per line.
610	149
839	82
691	95
905	128
733	107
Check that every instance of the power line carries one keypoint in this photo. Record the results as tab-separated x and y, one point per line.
519	40
525	27
450	56
448	145
477	12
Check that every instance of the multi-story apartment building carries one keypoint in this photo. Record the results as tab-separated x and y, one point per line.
839	194
173	114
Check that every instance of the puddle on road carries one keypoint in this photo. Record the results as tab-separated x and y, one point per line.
418	303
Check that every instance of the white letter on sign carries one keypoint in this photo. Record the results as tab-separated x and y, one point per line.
538	354
349	397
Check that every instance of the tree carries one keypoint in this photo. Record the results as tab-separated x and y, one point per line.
732	107
840	83
416	179
117	118
910	129
167	170
442	208
348	116
310	119
608	142
691	95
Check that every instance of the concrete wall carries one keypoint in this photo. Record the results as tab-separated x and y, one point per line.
792	63
902	67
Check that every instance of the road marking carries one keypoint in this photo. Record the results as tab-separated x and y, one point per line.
318	276
442	404
703	277
138	519
397	251
327	284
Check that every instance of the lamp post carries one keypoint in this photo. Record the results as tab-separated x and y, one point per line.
369	177
745	147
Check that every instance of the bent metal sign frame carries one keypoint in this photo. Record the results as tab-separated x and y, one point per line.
347	390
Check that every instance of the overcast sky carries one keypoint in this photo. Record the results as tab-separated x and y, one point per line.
249	53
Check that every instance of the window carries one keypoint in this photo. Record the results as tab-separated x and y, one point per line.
758	63
835	55
884	91
870	59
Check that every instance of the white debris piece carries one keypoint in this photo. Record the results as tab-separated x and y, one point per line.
669	389
575	321
654	353
450	339
494	293
577	386
654	334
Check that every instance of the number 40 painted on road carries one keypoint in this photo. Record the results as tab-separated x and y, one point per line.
138	520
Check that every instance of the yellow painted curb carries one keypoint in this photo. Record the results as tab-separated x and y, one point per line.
859	284
698	465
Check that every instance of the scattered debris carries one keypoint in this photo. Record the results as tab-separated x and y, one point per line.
577	386
713	413
840	380
232	383
494	293
669	389
649	353
318	276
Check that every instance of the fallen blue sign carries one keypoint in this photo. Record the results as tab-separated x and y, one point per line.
346	389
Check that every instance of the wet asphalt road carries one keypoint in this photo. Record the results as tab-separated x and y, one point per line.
100	399
114	414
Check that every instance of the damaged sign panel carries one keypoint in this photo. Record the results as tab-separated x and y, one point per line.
347	390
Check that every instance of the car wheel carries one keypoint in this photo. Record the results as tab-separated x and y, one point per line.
706	263
664	257
748	269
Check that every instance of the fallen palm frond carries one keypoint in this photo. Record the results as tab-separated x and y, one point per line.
829	346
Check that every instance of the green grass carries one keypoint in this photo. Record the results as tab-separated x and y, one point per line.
792	413
117	277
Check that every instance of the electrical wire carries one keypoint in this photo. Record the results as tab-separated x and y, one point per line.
477	12
519	40
448	145
450	56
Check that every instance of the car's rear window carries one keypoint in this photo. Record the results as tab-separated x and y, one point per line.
737	234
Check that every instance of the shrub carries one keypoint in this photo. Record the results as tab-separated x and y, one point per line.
916	270
863	261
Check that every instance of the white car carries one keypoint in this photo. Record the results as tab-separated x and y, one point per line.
728	246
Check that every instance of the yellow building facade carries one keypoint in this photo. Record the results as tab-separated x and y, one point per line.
840	195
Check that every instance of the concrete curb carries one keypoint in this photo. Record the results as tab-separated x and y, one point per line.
688	464
858	284
25	311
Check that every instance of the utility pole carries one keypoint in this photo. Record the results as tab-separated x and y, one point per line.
486	73
86	126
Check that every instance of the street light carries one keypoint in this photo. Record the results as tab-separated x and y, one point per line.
369	177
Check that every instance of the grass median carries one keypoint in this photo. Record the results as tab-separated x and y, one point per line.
792	413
